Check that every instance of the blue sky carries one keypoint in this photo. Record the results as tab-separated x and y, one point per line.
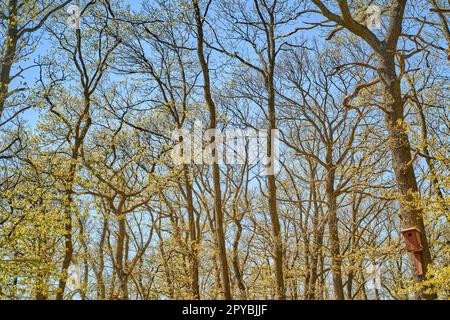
30	76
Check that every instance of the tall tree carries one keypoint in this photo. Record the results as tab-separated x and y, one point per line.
218	209
90	67
385	51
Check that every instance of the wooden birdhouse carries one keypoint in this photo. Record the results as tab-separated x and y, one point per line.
414	246
412	239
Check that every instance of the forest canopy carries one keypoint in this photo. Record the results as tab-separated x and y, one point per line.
336	120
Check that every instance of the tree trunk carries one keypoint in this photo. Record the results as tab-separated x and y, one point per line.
218	213
334	236
318	231
9	53
193	235
271	182
120	267
236	264
68	246
410	215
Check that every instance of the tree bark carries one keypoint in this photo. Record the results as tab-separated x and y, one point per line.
216	171
235	260
336	261
271	181
193	235
9	49
402	162
120	263
68	245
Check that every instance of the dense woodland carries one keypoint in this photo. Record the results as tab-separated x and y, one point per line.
92	205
